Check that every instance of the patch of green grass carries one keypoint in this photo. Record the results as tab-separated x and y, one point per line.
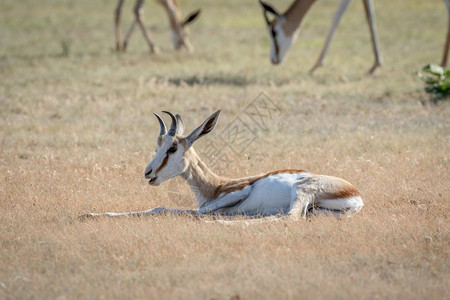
437	81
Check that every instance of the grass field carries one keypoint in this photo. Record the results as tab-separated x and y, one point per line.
77	130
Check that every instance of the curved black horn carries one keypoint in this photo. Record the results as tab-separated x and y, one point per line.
162	124
173	126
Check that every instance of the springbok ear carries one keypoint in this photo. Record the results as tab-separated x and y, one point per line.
180	124
190	18
268	8
203	129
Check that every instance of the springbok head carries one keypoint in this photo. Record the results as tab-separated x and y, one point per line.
179	32
280	41
170	159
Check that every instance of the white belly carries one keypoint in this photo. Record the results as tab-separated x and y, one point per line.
270	196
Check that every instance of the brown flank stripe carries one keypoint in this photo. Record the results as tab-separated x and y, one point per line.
240	184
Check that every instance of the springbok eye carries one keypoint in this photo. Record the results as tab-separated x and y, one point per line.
172	150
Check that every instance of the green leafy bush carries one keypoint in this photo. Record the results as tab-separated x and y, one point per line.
437	80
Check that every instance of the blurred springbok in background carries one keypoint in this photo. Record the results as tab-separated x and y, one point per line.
284	28
179	32
290	193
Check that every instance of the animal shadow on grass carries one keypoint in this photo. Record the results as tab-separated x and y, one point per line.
212	79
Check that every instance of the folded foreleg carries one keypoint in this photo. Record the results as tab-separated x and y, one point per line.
227	203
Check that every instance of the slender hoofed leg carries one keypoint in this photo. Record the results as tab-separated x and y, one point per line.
447	42
337	17
139	15
370	15
128	35
153	211
117	25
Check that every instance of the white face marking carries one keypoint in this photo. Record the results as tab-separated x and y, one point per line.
180	38
168	161
279	42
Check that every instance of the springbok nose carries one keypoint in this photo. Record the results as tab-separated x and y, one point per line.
147	174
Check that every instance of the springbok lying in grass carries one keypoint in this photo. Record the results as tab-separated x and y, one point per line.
292	193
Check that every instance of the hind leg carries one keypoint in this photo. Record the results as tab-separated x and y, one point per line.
345	207
303	194
317	211
320	194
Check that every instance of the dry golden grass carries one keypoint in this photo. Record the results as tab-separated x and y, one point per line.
77	131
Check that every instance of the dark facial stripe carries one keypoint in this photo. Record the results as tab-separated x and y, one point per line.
164	163
274	38
166	158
